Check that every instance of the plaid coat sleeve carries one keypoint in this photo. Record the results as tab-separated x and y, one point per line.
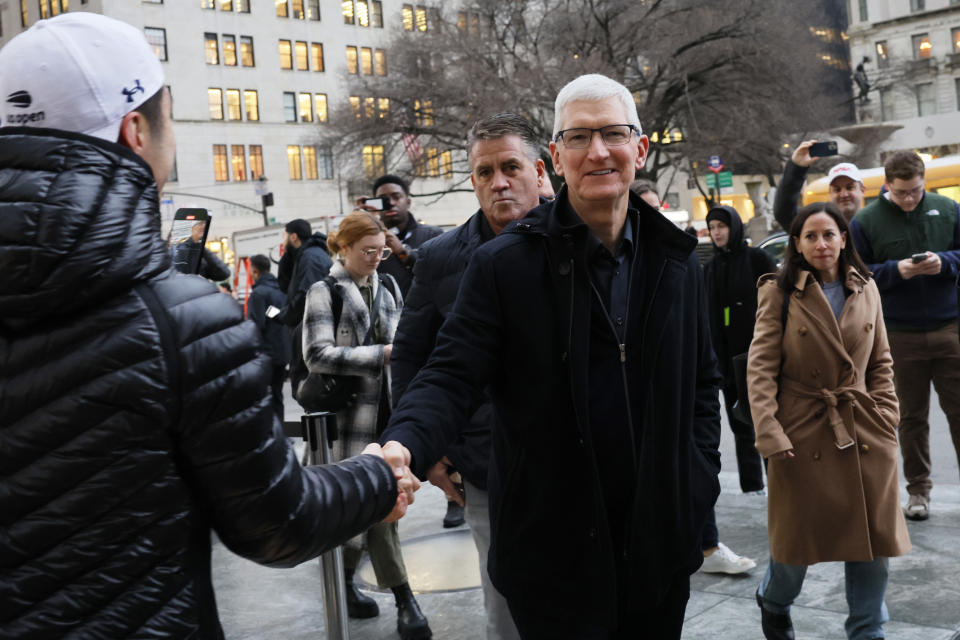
341	354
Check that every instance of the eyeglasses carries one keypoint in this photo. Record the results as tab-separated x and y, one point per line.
613	135
383	253
916	192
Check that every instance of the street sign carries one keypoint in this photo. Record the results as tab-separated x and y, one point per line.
726	181
715	164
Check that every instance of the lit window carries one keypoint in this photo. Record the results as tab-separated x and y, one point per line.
366	61
376	14
421	18
211	48
215	99
320	106
233	105
252	103
207	4
158	40
347	9
373	164
922	48
289	107
256	161
226	5
369	108
446	164
407	13
220	168
383	107
298	9
352	60
424	112
883	55
433	162
229	50
286	54
44	9
955	38
306	107
316	56
355	107
302	59
283	10
238	162
293	162
363	13
246	51
243	6
325	157
24	16
313	9
310	162
380	62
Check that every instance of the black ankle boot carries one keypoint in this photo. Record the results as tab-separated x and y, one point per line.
411	623
358	604
776	626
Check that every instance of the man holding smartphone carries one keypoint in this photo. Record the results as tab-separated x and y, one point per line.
910	240
405	234
846	183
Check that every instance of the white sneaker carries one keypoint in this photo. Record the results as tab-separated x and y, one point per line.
723	560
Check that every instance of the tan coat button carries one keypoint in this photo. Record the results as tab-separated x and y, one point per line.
868	327
865	448
802	331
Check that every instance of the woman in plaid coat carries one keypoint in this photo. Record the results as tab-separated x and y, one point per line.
338	348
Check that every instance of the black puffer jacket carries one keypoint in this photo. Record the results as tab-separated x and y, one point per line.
134	414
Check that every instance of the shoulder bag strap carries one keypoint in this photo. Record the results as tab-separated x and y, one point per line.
168	343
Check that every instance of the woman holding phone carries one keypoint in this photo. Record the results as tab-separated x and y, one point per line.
348	327
820	381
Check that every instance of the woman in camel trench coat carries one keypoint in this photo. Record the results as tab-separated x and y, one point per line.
825	413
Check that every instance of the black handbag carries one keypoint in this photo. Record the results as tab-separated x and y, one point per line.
335	392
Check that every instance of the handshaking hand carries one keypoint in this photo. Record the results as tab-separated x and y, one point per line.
398	457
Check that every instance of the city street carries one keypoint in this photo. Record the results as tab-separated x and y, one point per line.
923	594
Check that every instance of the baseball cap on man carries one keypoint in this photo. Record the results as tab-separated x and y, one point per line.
77	72
845	169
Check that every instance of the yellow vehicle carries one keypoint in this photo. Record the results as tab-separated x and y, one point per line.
942	176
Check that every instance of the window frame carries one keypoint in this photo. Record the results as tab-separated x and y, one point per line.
321	108
244	40
309	155
163	34
353	64
292	104
256	161
212	53
917	41
304	98
315	60
235	174
221	165
301	46
231	108
380	62
218	115
247	93
289	55
295	171
229	37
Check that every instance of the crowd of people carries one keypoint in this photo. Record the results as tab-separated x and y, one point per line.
547	333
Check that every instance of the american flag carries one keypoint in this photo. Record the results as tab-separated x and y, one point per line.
411	142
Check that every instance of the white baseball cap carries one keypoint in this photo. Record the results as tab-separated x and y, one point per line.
77	72
844	169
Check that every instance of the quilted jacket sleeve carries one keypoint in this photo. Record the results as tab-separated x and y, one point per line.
262	504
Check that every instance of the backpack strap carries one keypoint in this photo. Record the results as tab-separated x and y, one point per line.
336	302
168	344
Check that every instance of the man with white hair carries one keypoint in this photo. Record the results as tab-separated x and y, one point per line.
586	322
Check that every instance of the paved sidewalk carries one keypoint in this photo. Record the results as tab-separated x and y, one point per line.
923	594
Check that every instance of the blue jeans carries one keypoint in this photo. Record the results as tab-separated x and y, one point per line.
866	584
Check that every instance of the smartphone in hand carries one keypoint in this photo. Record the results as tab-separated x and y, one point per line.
918	257
272	311
380	203
822	149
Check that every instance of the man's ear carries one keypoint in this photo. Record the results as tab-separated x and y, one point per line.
134	131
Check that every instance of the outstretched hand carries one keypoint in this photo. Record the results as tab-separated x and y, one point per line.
439	476
407	483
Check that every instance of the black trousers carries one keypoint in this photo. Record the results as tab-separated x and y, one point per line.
660	622
749	463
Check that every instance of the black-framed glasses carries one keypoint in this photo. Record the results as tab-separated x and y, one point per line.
613	135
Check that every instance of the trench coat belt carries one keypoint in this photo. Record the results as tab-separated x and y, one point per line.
831	398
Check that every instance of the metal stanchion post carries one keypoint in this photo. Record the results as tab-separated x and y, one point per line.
319	430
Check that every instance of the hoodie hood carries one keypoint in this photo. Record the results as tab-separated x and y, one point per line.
79	224
730	217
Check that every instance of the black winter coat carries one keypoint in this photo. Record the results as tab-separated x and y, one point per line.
785	202
436	280
520	327
312	265
134	414
414	236
276	339
731	279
